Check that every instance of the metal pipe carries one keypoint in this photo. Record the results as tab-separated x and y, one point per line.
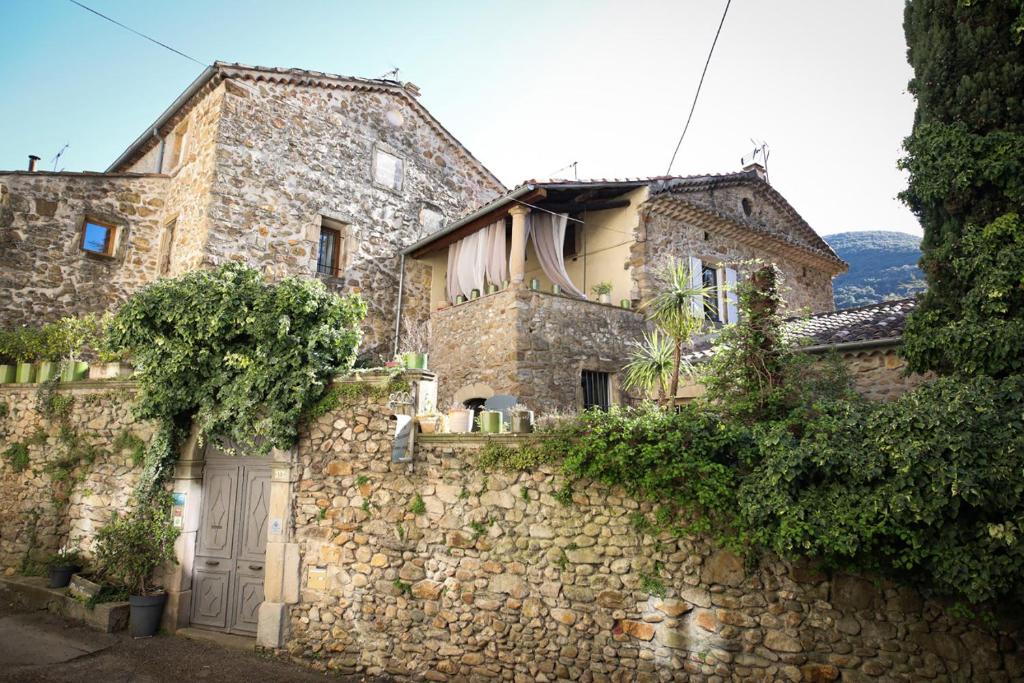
160	152
32	161
398	308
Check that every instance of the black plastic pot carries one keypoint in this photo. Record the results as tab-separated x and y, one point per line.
60	575
146	611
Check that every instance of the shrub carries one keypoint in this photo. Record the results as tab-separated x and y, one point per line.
132	546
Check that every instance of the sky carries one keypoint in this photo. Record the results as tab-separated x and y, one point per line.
528	86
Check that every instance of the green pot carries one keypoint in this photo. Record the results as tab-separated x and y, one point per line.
555	289
47	370
535	284
474	294
8	373
460	299
415	360
492	289
626	303
490	422
26	373
74	371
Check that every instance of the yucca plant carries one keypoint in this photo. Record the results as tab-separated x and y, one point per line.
650	366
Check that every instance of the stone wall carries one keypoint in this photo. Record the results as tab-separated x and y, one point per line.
289	154
44	274
490	578
804	286
41	509
879	374
531	345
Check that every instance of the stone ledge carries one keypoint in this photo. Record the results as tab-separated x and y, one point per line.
77	385
33	592
474	439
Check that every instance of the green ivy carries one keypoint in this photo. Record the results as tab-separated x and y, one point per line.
242	359
16	456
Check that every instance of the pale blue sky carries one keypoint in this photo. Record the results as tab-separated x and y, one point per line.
527	86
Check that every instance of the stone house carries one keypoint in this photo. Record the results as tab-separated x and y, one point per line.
295	172
565	350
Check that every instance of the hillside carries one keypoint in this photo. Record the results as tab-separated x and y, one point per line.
883	265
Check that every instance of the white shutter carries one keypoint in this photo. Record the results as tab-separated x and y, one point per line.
732	297
696	281
720	294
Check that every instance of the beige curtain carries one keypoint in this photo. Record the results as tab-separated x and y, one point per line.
548	234
477	259
497	262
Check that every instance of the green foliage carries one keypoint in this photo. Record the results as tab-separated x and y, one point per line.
965	160
22	344
480	528
131	442
130	547
495	456
602	288
651	364
362	480
417	506
66	557
402	586
652	585
17	457
242	359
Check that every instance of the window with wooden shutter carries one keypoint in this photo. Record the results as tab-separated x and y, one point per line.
732	298
696	281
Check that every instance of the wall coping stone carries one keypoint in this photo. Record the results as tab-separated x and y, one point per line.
77	385
474	439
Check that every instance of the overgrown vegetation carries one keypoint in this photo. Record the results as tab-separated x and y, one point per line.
241	359
131	546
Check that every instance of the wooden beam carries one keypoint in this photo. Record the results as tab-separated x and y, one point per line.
573	207
483	221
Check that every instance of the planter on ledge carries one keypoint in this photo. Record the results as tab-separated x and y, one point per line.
113	370
490	422
72	371
522	422
146	611
8	373
460	420
47	370
60	574
415	360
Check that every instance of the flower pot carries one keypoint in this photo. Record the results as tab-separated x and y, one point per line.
110	370
8	373
490	422
626	303
604	298
25	373
146	611
522	422
415	360
72	371
474	294
428	423
46	370
534	284
555	289
460	420
460	299
492	289
60	575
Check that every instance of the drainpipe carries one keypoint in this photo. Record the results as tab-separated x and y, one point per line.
398	308
159	154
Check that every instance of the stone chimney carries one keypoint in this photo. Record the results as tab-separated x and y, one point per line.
758	169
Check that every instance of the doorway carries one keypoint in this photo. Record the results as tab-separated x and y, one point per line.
231	545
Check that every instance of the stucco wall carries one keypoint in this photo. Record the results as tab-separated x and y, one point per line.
64	510
44	274
287	155
805	287
495	579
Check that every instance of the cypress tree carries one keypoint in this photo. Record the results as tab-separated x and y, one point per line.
965	159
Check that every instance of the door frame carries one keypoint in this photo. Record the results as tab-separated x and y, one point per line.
282	562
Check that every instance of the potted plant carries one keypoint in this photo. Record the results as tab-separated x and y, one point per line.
27	345
521	419
534	284
8	367
415	342
460	299
74	336
492	288
430	422
129	549
603	290
62	565
489	421
460	419
474	294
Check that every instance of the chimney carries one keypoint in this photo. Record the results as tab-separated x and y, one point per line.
758	169
411	88
32	159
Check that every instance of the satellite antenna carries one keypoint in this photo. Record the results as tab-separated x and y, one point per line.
58	155
758	155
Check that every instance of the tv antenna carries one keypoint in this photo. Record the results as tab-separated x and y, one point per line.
390	75
56	158
573	166
758	155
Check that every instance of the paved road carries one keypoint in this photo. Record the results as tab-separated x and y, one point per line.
37	647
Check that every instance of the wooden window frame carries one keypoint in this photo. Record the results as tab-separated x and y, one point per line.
108	245
339	237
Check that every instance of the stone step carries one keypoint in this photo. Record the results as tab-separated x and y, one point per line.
33	593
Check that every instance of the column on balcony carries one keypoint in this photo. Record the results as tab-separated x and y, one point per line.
517	256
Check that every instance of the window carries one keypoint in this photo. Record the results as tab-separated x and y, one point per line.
330	257
747	206
388	170
431	219
572	244
98	238
596	389
709	279
168	244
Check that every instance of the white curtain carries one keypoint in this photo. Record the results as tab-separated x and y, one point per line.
548	233
475	259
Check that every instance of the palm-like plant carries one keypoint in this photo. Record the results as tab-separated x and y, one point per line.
650	365
674	310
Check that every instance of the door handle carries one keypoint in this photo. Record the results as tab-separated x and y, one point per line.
212	563
255	567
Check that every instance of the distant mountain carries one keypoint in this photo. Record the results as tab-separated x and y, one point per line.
883	265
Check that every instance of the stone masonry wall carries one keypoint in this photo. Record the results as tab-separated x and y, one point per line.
491	578
878	374
44	275
803	286
289	154
63	510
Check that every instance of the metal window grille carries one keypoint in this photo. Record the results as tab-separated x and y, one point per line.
596	389
327	260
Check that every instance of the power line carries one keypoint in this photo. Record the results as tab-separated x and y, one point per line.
696	94
141	35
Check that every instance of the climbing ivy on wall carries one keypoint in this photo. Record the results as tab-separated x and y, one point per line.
243	359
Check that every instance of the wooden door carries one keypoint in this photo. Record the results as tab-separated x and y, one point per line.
227	581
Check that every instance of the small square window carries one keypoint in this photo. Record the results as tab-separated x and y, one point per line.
330	256
596	389
388	169
98	238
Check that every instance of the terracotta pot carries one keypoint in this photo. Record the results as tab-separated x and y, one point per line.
428	423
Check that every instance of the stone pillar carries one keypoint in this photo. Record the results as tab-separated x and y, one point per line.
517	258
281	568
177	579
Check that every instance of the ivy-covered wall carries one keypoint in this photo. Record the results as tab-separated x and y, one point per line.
67	462
437	570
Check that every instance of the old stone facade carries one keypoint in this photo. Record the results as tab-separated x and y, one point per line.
247	169
63	496
529	344
879	374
